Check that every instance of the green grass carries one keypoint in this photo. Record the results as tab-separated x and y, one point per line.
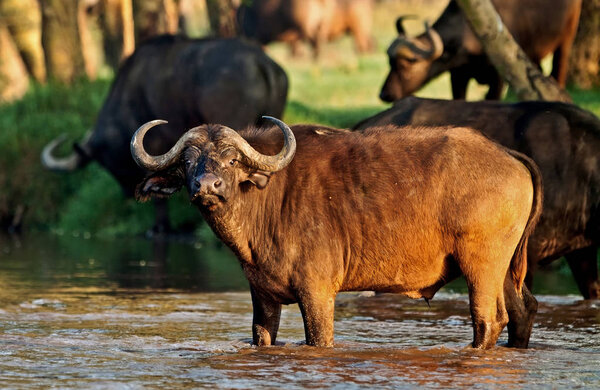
338	90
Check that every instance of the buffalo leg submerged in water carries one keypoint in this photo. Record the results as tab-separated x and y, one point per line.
265	321
317	314
521	312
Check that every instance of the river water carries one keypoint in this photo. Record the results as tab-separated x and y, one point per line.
90	313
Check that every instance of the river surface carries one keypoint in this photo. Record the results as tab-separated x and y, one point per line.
105	314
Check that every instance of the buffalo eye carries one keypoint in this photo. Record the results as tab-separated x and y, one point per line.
188	163
232	162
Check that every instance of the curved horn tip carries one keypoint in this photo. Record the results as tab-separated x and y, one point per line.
271	118
70	163
400	20
275	120
147	126
155	122
137	148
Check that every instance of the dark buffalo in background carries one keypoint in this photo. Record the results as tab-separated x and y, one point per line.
540	27
564	140
185	81
315	21
387	209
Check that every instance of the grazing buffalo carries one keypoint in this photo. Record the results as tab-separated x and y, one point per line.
186	81
316	21
540	27
388	210
564	141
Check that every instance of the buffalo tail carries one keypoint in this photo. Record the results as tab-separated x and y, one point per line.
518	264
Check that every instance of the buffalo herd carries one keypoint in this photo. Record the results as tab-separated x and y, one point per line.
186	81
540	27
405	202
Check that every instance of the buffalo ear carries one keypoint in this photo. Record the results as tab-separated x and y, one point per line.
158	185
259	178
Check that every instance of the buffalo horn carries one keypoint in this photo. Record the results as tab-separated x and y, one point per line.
252	158
410	47
64	164
437	46
261	161
156	163
400	21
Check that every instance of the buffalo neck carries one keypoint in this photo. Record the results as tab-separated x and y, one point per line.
249	219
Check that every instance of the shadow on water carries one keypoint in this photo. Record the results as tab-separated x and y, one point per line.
131	313
43	260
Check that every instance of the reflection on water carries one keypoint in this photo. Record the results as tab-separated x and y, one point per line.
89	313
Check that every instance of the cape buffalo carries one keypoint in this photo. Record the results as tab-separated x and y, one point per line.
564	141
313	20
540	27
186	81
389	210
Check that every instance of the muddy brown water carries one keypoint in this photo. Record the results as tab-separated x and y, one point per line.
89	313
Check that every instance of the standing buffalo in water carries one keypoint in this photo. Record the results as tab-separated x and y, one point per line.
186	81
563	140
540	27
388	210
316	21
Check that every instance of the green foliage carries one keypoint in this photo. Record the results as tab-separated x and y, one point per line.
44	113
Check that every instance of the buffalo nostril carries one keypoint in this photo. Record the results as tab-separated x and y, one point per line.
217	184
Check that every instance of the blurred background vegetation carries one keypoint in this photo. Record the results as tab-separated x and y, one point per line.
45	97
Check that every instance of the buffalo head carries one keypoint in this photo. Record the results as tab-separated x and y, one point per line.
410	61
212	161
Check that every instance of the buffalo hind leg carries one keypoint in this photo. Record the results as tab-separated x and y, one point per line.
489	316
486	296
584	266
317	314
521	312
265	320
560	59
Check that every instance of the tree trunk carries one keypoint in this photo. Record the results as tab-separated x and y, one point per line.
61	40
584	63
14	79
222	17
193	20
154	17
118	30
509	59
88	15
23	19
128	28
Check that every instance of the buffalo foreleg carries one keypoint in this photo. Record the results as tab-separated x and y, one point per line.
265	321
317	314
521	312
459	78
584	266
496	86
